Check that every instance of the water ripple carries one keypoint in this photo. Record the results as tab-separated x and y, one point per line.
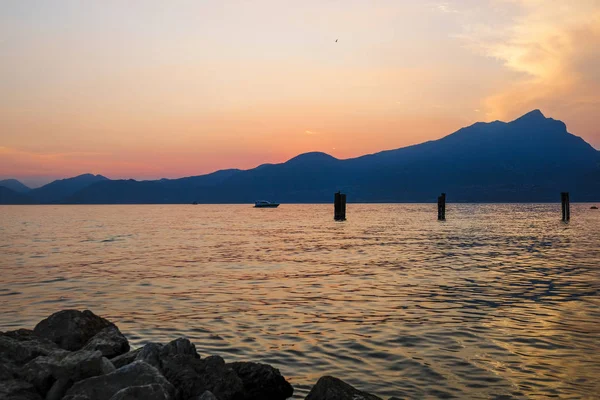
498	302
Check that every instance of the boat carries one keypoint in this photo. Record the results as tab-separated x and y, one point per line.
265	204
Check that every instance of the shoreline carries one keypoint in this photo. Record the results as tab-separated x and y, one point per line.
77	355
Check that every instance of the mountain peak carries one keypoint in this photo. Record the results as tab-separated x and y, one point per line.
534	115
312	157
15	185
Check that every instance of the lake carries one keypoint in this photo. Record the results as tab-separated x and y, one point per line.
500	301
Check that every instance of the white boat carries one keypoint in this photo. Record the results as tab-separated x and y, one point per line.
265	204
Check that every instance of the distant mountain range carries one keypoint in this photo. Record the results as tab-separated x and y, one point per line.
14	185
531	159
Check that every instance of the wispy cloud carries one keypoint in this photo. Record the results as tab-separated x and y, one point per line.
552	47
443	7
307	132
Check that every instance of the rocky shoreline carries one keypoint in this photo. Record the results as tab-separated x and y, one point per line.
77	355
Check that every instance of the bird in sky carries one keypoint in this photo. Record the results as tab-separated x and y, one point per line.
336	40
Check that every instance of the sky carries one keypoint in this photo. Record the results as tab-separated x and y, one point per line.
150	89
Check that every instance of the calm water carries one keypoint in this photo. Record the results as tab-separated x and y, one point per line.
500	301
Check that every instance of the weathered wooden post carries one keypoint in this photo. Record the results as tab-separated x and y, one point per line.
566	206
339	204
442	207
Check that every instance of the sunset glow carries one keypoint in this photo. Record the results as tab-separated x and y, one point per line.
140	90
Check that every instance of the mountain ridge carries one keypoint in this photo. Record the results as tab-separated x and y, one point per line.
531	158
15	185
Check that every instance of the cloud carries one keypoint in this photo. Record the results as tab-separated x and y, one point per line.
311	132
444	7
552	49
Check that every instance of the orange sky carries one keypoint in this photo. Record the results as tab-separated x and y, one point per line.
151	89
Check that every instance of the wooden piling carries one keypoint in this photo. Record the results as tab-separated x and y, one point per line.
442	207
566	206
339	204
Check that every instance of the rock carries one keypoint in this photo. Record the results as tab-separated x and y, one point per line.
145	392
125	359
38	372
20	334
7	371
207	396
43	372
71	329
58	389
76	397
330	388
110	341
261	381
20	350
83	364
181	346
18	390
103	387
193	376
151	354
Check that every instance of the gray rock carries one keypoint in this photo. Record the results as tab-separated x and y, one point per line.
193	376
7	370
43	372
76	397
20	350
104	387
124	359
151	353
71	329
20	334
207	396
18	390
145	392
330	388
181	346
38	372
110	341
58	389
82	365
261	381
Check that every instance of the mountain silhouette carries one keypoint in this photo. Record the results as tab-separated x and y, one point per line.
530	159
9	196
57	191
15	185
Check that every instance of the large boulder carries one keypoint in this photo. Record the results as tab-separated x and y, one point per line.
193	376
18	390
145	392
330	388
261	381
104	387
110	341
71	329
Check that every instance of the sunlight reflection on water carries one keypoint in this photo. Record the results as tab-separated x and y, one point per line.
500	300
